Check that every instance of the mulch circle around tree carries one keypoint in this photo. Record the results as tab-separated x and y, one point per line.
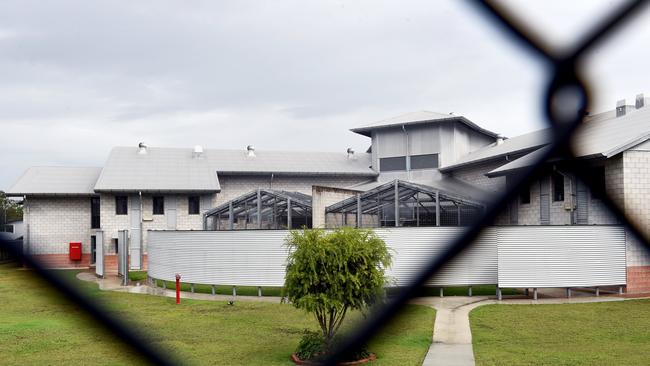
298	361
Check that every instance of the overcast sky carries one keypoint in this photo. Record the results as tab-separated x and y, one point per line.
80	77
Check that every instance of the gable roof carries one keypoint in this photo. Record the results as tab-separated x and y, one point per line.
237	162
602	137
176	170
419	117
516	145
56	180
159	170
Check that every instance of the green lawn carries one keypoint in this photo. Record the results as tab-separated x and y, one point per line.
39	327
610	333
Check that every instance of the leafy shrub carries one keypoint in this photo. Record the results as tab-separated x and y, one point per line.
312	345
331	273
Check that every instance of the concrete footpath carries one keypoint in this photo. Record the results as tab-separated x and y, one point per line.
452	335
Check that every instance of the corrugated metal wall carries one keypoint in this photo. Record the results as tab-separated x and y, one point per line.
414	247
242	258
561	256
258	257
526	256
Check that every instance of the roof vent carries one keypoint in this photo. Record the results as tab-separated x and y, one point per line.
500	139
142	148
620	108
640	101
350	153
198	152
250	151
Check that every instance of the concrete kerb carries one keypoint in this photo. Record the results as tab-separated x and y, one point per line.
113	283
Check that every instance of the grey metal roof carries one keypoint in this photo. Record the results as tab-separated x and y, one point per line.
522	162
159	170
175	169
611	136
419	118
519	144
55	180
603	136
231	162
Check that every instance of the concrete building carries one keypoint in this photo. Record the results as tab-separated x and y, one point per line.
422	169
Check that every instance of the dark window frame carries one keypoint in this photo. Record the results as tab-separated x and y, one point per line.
597	183
121	205
193	205
420	159
158	205
95	213
557	182
392	162
524	195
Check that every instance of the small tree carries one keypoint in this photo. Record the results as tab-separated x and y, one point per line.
331	273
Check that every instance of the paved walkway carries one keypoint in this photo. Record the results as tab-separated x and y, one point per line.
452	336
114	283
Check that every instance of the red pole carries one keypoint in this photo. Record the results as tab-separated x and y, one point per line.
178	289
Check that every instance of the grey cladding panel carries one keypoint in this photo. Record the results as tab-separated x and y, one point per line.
561	256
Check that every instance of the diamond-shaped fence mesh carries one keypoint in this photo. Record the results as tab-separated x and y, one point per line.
566	100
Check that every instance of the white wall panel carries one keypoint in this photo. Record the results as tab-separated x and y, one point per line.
258	257
561	256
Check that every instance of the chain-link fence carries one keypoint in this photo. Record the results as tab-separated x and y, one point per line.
567	98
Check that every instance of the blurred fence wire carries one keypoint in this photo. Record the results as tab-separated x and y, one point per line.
566	100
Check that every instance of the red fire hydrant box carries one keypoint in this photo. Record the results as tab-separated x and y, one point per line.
75	251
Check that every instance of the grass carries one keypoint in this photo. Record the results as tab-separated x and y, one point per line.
609	333
39	327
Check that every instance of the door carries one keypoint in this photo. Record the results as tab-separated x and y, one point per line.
135	244
171	207
93	249
123	254
582	202
99	253
545	201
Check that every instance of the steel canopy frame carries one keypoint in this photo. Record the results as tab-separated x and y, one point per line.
405	198
281	208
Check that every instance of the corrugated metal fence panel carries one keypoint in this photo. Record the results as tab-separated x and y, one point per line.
241	258
412	248
561	256
258	257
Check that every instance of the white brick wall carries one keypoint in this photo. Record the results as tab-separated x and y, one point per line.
56	221
235	186
112	223
636	198
476	175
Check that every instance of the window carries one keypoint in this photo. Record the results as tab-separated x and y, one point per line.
116	246
427	161
597	182
9	228
193	205
558	187
121	205
392	164
158	205
524	195
94	213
